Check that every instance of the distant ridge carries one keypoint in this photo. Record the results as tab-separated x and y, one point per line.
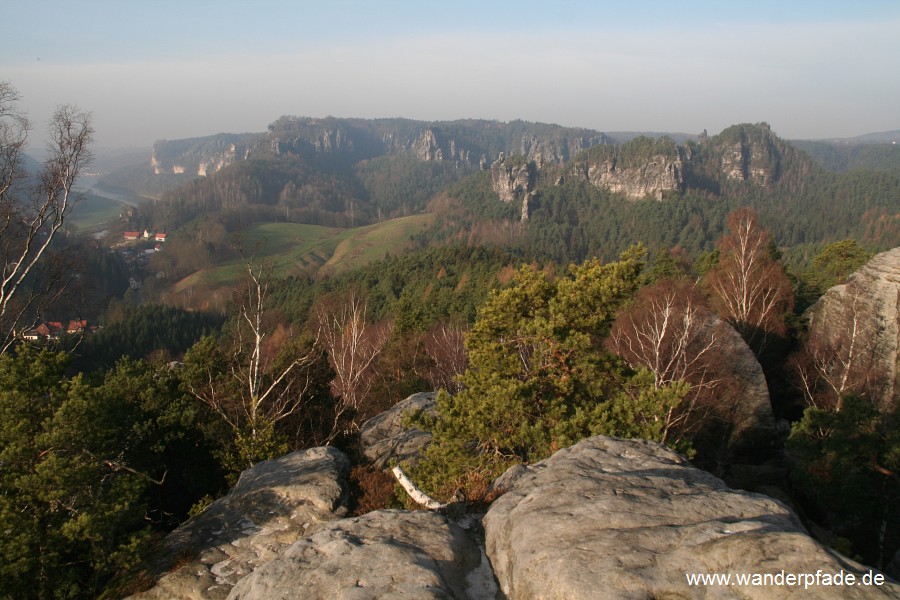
881	137
626	136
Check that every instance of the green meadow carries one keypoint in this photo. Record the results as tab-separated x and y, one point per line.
313	250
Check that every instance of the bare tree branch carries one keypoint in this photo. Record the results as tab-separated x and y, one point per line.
263	383
667	330
31	216
842	359
751	289
352	345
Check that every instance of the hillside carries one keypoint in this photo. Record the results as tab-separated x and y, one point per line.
297	250
839	156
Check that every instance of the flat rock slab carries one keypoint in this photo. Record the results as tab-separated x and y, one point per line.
611	518
272	505
383	554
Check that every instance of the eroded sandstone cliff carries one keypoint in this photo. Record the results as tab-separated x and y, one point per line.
642	168
514	181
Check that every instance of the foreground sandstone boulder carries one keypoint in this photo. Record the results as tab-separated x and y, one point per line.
273	504
611	518
383	554
606	518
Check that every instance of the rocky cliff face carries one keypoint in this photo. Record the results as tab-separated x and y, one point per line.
432	145
465	143
544	151
854	330
749	153
641	168
605	517
651	179
514	182
201	156
328	137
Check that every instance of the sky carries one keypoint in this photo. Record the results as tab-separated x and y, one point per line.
170	70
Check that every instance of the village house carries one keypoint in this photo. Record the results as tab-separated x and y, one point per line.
52	330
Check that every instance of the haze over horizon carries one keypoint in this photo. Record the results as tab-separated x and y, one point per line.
169	71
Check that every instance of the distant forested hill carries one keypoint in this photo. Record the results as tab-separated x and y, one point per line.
844	156
575	212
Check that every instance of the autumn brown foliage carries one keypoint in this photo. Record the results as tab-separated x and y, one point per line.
669	330
841	358
749	287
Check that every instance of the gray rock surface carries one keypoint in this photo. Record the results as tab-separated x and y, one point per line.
383	554
384	437
273	504
514	182
659	174
871	299
201	156
604	518
754	157
616	518
751	413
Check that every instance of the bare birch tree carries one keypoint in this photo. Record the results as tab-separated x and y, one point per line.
445	345
265	384
33	212
750	287
352	345
667	330
841	358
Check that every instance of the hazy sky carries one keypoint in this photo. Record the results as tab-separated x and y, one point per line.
168	70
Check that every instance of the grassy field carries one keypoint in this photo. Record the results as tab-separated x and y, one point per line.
363	245
93	212
297	249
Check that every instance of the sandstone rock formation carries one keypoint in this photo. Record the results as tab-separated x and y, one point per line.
750	415
753	155
557	150
854	331
637	169
605	518
652	179
201	156
616	518
431	146
514	182
384	438
383	554
272	505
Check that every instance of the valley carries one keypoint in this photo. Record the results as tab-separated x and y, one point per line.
269	296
